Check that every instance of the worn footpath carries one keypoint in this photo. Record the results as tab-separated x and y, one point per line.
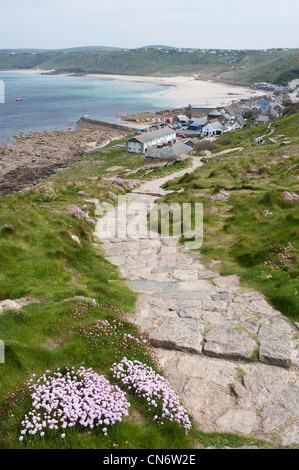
231	357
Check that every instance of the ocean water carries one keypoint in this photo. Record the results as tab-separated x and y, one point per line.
56	102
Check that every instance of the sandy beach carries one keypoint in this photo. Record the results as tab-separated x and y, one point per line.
183	90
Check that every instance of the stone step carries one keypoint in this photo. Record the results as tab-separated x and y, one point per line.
153	286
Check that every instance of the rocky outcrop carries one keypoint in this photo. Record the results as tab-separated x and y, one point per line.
37	156
9	304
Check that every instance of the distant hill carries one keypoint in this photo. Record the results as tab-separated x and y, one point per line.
156	47
238	67
68	49
23	50
91	49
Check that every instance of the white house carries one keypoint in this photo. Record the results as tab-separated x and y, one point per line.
213	128
182	118
140	143
238	124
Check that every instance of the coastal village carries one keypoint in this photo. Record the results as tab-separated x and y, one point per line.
168	137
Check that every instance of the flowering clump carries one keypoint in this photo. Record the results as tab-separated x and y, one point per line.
279	257
75	310
120	182
46	192
102	333
132	183
222	196
266	212
114	179
155	389
112	195
13	404
290	196
64	400
80	214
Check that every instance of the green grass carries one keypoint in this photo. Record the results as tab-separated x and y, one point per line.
39	257
220	440
48	336
261	248
171	167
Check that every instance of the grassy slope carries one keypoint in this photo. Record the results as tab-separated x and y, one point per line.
223	66
39	260
262	249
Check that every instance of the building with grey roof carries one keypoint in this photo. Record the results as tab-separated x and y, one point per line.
199	121
234	111
198	111
261	120
191	142
140	143
167	153
214	114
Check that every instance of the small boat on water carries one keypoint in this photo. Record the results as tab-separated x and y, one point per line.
19	99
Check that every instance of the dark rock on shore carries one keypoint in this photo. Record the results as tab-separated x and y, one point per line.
37	156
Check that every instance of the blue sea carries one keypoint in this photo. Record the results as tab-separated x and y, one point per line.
56	102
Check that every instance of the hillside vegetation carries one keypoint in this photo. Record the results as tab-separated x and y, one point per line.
251	210
236	67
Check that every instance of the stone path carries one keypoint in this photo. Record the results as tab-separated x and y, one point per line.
225	349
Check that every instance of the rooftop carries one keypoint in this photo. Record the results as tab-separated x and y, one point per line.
201	106
215	124
154	134
171	151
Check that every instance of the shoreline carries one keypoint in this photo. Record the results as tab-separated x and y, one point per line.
183	90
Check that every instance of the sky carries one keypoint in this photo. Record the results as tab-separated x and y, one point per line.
221	24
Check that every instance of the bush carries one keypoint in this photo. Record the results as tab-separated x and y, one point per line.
206	145
286	77
292	109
